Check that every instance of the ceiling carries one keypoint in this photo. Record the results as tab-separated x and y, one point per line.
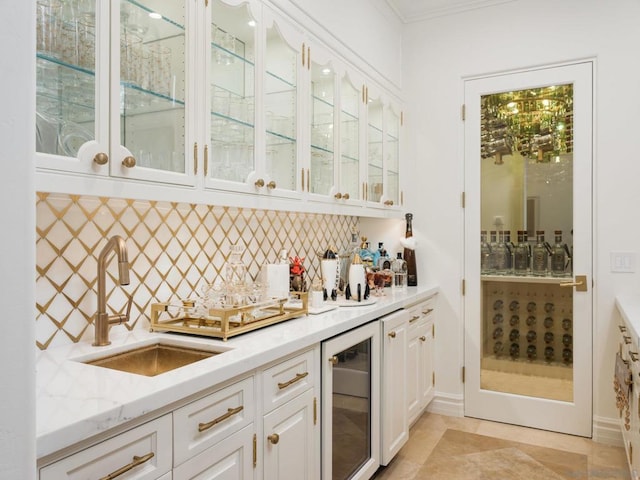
416	10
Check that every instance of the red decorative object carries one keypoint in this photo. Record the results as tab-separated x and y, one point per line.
296	267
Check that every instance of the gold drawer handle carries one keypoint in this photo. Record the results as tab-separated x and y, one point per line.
414	318
428	311
622	328
423	338
297	378
136	462
392	334
627	340
634	356
230	413
274	438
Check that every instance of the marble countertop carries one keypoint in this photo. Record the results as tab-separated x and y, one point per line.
75	401
629	308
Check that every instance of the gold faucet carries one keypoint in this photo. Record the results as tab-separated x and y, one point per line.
103	320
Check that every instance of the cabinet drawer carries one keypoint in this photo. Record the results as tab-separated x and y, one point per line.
205	422
423	311
144	452
287	379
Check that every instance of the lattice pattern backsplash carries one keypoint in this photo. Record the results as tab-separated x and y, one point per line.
174	248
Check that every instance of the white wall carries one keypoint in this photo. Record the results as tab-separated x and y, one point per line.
17	265
438	53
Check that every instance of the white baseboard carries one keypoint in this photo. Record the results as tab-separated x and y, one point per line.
447	404
607	430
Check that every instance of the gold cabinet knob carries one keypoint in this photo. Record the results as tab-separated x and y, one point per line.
345	196
259	183
334	360
271	185
392	334
388	203
423	338
338	196
129	162
274	438
101	158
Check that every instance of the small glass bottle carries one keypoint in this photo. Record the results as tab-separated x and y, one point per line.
399	269
558	256
493	246
508	246
521	255
539	256
486	267
500	254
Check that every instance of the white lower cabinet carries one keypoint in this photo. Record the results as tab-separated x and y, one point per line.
420	370
290	443
394	423
231	459
142	453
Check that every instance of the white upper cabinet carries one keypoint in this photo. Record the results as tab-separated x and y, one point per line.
142	98
112	89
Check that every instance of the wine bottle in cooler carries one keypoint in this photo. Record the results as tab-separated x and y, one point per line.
410	255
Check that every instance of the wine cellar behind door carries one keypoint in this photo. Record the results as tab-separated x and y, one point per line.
527	344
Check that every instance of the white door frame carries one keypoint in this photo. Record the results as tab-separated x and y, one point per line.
569	417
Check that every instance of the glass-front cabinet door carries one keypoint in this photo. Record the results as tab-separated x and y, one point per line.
232	94
283	62
391	195
350	138
111	88
150	92
322	117
375	141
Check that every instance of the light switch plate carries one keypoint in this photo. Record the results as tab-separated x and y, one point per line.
623	262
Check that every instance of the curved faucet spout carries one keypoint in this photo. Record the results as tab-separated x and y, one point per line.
102	320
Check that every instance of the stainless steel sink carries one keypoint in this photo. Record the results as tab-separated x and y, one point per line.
152	360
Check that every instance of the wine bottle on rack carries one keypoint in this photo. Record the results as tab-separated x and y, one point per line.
410	255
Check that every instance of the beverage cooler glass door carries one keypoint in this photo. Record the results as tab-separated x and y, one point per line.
528	315
350	404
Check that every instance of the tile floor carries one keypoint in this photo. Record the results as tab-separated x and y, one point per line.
592	460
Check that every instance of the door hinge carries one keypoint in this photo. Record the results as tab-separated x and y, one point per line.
464	286
255	450
463	374
463	199
315	410
463	112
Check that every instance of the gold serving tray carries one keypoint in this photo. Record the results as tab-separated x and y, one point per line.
225	322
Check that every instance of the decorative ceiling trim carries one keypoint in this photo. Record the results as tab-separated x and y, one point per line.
427	12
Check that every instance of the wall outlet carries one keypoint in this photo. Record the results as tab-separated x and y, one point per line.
623	262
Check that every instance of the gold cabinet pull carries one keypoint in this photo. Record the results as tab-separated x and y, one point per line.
423	338
255	450
392	334
334	360
271	185
414	318
580	283
345	196
634	356
134	463
388	203
259	183
308	58
338	196
302	178
308	183
274	438
195	158
129	162
101	158
303	61
206	160
427	311
627	340
230	413
297	378
622	328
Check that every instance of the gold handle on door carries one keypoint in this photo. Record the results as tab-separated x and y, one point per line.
622	328
580	283
338	196
334	360
259	183
101	158
345	196
206	160
134	463
274	438
392	334
129	162
271	185
627	340
634	356
423	338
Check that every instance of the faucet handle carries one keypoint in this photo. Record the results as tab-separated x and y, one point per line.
128	313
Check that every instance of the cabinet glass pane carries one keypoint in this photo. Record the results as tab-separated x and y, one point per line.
232	92
152	82
526	237
392	151
65	75
281	85
322	120
375	140
349	138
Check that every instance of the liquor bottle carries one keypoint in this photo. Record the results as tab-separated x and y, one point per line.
486	266
508	252
399	269
410	255
540	256
500	254
493	246
521	255
558	256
